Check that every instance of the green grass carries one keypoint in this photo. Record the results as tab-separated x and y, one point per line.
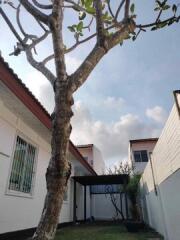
100	232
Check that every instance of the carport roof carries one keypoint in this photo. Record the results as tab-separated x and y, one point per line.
102	179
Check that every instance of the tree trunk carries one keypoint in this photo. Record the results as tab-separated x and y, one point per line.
59	168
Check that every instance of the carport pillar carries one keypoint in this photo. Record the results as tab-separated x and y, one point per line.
85	203
126	200
74	205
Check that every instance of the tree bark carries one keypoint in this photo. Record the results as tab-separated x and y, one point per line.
59	168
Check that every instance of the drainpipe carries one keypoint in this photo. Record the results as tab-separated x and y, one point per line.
175	93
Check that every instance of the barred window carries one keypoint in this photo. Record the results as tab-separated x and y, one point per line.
22	171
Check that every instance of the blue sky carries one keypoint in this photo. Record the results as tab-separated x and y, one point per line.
129	95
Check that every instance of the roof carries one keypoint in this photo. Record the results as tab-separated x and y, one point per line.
143	140
85	146
102	179
18	88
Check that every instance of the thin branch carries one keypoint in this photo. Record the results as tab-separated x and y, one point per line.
119	9
159	15
11	26
27	36
40	67
42	6
36	13
47	59
109	8
154	23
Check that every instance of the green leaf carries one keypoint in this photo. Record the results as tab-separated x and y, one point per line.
161	25
71	28
82	15
157	9
153	28
91	10
166	7
79	26
132	8
134	38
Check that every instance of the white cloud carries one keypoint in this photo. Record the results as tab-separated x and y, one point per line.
72	64
157	113
113	103
112	139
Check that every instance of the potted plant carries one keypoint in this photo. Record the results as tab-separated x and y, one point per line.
132	189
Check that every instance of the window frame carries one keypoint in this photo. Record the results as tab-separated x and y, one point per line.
19	193
140	151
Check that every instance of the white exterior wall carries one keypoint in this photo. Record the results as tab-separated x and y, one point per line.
18	212
163	209
98	162
103	208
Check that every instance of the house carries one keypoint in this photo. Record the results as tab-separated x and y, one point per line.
139	153
93	156
25	135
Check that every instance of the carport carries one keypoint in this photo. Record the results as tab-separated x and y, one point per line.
97	180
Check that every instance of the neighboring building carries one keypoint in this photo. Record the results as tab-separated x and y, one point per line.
25	137
93	156
139	153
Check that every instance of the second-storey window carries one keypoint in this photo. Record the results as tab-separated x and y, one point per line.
140	156
22	171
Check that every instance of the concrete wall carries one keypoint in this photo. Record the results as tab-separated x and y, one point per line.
103	208
160	183
19	211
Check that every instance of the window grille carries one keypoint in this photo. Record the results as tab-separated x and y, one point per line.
23	167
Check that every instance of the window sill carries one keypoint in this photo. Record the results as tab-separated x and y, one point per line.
18	194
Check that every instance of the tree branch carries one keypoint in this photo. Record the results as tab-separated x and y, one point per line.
126	11
109	8
99	23
155	23
39	65
56	21
42	6
119	9
36	13
11	26
82	73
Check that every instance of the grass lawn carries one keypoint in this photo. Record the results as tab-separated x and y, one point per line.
102	232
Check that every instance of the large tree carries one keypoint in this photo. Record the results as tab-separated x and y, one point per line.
110	22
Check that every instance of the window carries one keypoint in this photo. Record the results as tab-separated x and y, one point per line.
22	171
65	198
140	156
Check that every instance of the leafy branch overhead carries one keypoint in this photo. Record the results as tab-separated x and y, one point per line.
84	27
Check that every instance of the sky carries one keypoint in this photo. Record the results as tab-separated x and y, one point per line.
128	95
